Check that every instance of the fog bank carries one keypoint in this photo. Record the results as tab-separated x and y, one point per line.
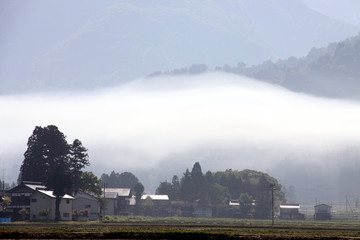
221	120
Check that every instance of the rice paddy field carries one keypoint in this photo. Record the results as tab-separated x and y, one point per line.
115	227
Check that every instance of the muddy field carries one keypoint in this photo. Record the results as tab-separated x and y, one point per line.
130	228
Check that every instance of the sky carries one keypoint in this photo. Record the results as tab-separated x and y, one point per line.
139	126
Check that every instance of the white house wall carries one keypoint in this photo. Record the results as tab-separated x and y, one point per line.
46	202
42	202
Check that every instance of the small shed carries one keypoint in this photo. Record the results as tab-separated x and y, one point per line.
291	212
322	212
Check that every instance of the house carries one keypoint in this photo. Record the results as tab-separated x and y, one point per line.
291	212
86	201
322	212
160	200
121	203
110	203
161	204
20	197
44	201
234	206
234	203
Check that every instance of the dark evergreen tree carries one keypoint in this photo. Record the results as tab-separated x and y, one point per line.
139	190
78	160
186	188
165	188
59	180
44	146
175	183
197	180
51	160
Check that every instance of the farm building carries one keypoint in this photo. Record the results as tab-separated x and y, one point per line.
20	197
322	212
161	204
84	201
291	212
118	201
44	201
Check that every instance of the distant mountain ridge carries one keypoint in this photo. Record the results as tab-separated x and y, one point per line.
51	45
332	71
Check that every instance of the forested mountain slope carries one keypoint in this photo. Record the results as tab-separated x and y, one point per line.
332	71
79	44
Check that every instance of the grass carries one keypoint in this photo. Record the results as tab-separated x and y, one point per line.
182	228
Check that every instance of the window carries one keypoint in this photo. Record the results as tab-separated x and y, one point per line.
67	201
33	200
66	215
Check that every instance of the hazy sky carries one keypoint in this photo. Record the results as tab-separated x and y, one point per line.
138	125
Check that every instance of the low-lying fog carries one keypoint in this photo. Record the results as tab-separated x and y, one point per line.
158	127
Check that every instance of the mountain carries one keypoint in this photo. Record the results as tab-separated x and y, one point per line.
332	71
79	44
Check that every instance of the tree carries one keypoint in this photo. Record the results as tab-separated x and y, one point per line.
6	201
78	160
246	202
44	146
139	190
186	186
165	188
90	183
123	180
197	178
60	181
175	183
51	160
24	213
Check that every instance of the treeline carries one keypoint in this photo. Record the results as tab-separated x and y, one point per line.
251	189
50	159
119	180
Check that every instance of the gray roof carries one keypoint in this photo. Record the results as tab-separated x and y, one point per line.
35	186
122	192
110	195
82	194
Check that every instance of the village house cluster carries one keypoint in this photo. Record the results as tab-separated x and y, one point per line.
39	204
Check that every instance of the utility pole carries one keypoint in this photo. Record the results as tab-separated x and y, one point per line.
272	188
104	201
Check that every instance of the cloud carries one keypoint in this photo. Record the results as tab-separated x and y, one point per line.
138	125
